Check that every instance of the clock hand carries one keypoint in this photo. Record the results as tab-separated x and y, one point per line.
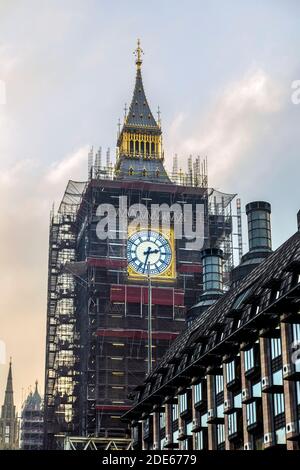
147	253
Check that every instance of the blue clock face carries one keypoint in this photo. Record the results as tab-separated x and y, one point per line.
149	252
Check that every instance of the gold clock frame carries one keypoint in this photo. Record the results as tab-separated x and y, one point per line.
170	273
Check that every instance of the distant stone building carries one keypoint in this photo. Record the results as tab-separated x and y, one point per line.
9	428
32	422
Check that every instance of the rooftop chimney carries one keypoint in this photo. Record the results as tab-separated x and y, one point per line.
212	262
259	226
298	220
212	265
260	238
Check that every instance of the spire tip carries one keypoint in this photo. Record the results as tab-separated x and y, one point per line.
138	54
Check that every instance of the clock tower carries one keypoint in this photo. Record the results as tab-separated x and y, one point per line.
98	293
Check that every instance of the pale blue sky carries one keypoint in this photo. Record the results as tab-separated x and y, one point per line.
221	72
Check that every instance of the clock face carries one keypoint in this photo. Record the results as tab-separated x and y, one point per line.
149	252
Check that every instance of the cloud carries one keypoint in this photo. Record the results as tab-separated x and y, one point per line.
71	165
236	121
27	189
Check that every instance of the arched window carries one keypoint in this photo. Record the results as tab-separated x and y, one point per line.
131	147
152	148
137	146
142	147
147	148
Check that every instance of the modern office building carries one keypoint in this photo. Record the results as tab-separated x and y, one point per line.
32	422
101	338
231	380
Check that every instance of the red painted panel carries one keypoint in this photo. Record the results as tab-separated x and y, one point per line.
112	407
138	294
136	334
190	268
107	263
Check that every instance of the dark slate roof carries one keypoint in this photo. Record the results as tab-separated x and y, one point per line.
251	302
155	171
140	114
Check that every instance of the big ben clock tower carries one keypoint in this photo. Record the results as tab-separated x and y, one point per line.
98	292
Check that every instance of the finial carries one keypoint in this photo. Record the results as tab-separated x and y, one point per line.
138	54
125	111
119	127
158	115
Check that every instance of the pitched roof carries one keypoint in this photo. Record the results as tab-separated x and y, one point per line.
140	114
200	338
142	169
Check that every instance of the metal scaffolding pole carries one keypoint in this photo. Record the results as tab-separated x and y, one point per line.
149	322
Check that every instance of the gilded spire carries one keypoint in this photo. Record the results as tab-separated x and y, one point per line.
138	54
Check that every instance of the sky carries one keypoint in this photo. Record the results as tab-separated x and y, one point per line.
222	74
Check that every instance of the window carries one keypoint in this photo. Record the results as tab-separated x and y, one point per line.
203	420
230	371
237	400
232	424
220	434
162	420
251	413
199	441
147	427
219	384
175	437
237	304
249	359
175	412
256	390
277	377
182	403
278	401
275	347
198	392
220	411
298	393
296	341
280	436
296	332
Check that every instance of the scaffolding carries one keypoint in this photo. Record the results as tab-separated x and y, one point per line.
62	340
94	443
96	351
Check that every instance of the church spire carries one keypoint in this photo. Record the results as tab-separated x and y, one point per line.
9	394
8	421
